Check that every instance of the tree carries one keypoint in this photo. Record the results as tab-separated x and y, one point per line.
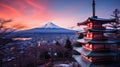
77	44
4	30
69	48
68	45
57	43
81	35
116	15
116	24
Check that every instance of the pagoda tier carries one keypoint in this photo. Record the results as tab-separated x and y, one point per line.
96	42
99	47
101	20
86	60
105	53
97	56
96	20
104	41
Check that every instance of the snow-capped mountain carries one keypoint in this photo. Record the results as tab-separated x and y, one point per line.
45	29
50	25
50	28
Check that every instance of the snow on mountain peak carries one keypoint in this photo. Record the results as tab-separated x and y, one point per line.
50	25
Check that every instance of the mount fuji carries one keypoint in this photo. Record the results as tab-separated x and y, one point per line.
48	28
50	25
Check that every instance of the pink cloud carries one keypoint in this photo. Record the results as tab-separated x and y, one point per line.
27	12
32	3
11	9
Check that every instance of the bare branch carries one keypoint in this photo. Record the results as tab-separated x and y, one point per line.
5	30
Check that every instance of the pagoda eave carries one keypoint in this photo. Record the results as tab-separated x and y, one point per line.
96	54
102	20
104	41
83	40
86	63
97	42
104	31
93	54
82	51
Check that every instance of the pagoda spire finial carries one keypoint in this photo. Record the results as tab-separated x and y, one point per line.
93	8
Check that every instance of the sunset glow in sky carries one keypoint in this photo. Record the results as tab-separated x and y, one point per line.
65	13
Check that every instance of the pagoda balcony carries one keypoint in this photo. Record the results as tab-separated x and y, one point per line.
93	48
96	37
98	27
99	36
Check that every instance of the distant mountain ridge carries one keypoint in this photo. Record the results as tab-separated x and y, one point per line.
45	29
50	28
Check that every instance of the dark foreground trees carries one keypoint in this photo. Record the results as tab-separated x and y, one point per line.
68	45
4	31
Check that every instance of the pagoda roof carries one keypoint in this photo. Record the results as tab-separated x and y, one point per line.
97	42
83	40
82	63
104	41
103	30
102	53
82	50
105	64
101	20
86	63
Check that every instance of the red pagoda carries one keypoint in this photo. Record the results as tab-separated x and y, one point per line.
97	50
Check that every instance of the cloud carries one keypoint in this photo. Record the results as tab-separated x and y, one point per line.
31	12
11	9
32	3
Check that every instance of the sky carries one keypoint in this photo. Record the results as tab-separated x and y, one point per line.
65	13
